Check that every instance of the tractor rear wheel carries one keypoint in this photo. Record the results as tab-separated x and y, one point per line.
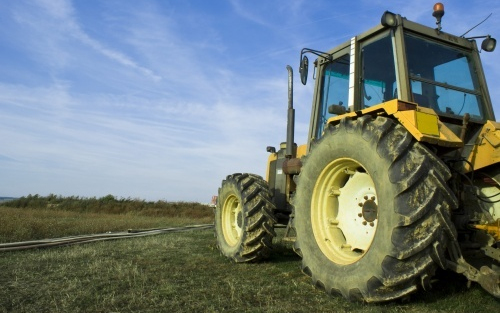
244	218
369	209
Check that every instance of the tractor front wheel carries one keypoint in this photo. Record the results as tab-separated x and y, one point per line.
244	218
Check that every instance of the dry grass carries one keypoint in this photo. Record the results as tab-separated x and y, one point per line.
110	205
36	217
28	224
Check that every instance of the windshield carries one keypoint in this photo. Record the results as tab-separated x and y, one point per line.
443	78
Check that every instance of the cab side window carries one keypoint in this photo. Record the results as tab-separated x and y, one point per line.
334	89
378	74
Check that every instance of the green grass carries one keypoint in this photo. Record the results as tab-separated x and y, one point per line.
184	272
178	272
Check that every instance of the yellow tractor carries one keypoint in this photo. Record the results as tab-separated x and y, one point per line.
400	175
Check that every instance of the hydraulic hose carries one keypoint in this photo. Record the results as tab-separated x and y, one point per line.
72	240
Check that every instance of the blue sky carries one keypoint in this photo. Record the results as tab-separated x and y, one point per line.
160	100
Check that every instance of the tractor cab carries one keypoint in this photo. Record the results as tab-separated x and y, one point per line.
403	60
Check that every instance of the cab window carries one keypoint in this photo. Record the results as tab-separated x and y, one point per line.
443	78
378	74
334	89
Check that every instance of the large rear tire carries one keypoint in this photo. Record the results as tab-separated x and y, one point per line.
369	209
244	218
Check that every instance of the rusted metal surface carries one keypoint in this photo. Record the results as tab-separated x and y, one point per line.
292	166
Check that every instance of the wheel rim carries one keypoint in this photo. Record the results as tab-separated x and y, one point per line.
231	220
344	214
488	189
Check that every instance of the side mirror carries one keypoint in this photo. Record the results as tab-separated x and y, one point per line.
271	149
303	69
489	44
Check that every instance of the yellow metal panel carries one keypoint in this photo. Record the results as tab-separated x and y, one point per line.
427	123
426	127
409	121
301	151
272	157
422	123
390	107
447	137
486	150
493	138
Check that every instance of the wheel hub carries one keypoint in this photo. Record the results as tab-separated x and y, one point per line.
369	210
345	214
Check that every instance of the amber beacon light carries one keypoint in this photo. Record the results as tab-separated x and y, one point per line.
438	12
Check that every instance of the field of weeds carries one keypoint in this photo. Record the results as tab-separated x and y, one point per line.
180	272
36	217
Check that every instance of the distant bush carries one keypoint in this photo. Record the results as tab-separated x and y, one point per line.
111	205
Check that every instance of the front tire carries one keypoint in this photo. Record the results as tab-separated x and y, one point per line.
244	218
367	211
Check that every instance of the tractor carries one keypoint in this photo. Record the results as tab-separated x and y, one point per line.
400	175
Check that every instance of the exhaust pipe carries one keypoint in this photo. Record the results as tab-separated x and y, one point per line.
291	165
290	127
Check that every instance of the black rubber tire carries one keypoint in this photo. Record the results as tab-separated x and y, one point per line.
244	234
410	182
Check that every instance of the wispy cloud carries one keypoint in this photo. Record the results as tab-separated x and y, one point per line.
244	10
54	27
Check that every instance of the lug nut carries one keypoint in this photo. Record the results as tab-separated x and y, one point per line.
360	214
360	204
371	224
366	197
364	222
373	198
334	192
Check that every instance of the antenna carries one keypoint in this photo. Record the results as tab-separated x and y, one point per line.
477	25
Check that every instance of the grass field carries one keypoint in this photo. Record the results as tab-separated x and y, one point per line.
184	272
36	217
